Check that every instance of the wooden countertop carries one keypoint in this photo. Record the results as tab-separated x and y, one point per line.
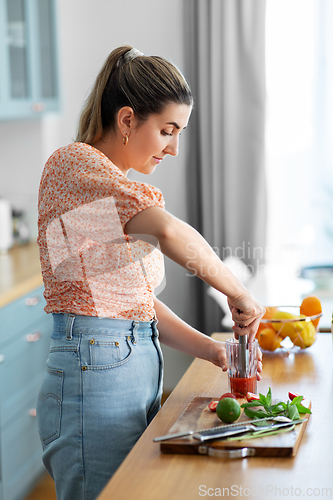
146	474
19	272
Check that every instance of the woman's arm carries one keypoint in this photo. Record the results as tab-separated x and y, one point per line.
184	245
175	333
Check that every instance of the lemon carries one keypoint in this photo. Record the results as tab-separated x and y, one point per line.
301	333
306	337
288	329
269	339
228	410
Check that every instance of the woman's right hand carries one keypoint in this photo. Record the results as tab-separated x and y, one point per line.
246	313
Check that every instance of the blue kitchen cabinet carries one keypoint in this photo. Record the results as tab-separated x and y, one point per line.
29	83
25	331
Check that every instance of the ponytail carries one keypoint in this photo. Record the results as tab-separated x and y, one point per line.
128	78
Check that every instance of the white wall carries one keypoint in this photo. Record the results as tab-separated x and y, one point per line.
88	31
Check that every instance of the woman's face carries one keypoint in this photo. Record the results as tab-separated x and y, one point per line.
151	140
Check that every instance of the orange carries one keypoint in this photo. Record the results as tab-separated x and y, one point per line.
228	410
269	339
311	306
270	311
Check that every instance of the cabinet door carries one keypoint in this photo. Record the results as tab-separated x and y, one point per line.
22	368
21	450
17	88
20	315
29	81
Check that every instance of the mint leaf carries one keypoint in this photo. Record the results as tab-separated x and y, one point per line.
256	413
297	400
251	404
293	412
302	409
269	397
263	408
278	408
263	400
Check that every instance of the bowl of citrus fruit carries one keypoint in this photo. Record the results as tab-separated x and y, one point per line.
290	327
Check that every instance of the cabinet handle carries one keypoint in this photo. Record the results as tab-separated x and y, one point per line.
2	358
34	337
32	301
33	412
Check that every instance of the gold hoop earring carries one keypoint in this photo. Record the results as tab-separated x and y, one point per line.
125	140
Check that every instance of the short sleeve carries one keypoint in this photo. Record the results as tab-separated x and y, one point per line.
134	197
83	174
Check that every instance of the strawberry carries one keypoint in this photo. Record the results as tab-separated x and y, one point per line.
212	405
227	395
250	396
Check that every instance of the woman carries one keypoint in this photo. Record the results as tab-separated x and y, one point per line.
101	239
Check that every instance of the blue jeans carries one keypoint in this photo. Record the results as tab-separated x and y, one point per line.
102	388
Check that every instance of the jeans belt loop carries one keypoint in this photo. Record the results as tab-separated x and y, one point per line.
135	326
154	328
69	328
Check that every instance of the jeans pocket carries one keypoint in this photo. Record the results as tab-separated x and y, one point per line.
49	405
109	354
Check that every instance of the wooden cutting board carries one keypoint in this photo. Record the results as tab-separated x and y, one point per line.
198	416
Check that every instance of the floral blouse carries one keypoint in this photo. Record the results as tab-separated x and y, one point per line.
90	266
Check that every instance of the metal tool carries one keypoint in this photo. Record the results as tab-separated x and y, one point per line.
220	428
209	434
243	359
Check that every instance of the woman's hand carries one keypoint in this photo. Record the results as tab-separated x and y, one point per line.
217	354
246	313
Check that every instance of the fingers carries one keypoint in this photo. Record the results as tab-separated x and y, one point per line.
244	316
259	355
223	359
250	330
240	318
218	355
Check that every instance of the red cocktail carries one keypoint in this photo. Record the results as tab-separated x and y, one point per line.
239	387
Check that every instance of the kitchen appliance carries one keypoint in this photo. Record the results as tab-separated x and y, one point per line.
6	225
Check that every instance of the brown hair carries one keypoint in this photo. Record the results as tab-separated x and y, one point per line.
145	83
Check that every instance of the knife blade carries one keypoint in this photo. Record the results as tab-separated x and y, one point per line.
176	435
204	436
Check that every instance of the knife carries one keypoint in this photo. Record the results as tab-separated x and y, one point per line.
206	435
220	428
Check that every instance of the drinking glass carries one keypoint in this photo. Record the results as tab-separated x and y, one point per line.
242	376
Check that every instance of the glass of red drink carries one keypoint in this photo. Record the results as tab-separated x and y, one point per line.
242	377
